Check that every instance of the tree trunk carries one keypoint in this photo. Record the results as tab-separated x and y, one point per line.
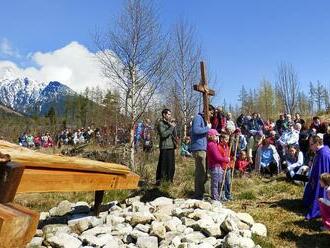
184	96
132	149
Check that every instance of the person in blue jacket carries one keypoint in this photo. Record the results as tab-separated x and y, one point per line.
199	129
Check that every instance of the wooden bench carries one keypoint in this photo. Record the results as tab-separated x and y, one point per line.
30	171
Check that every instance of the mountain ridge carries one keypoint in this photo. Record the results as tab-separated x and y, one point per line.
30	97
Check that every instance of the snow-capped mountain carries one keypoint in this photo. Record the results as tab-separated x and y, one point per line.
29	96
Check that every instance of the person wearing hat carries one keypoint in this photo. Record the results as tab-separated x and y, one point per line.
321	164
225	152
215	161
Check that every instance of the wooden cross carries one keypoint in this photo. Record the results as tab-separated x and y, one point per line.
202	87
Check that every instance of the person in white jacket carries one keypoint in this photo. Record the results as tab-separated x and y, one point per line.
267	158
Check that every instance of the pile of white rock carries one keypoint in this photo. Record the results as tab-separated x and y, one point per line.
163	222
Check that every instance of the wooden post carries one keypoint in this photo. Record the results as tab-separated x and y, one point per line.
203	88
98	201
10	177
17	224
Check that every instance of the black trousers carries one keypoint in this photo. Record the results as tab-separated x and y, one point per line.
166	165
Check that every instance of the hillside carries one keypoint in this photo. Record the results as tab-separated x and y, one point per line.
8	111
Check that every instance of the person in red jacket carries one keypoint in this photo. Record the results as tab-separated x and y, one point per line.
242	163
225	152
215	160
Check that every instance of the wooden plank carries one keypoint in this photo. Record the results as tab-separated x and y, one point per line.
31	159
10	177
17	225
44	180
200	88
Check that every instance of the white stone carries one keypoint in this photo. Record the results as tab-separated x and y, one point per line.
198	214
162	217
102	229
147	242
122	229
114	220
245	233
43	215
35	242
188	230
64	240
100	240
63	208
246	218
161	201
158	229
204	245
234	240
165	209
209	228
141	218
129	201
136	234
259	229
210	240
176	241
80	224
203	205
39	233
230	223
193	237
171	225
142	228
51	230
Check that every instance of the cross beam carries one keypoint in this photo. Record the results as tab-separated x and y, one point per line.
203	88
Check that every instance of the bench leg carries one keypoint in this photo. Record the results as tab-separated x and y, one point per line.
10	177
98	201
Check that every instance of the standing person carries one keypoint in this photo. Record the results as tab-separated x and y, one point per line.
214	160
280	125
230	124
325	202
225	152
166	163
218	119
321	164
199	129
298	119
147	137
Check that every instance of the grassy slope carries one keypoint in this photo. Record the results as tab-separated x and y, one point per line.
275	203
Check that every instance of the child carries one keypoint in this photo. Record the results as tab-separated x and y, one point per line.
242	163
184	148
325	202
224	151
215	161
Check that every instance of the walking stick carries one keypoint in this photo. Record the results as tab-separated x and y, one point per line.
235	153
224	174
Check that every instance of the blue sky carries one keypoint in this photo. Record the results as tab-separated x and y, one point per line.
243	40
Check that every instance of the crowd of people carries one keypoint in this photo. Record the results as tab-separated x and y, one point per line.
35	141
66	136
247	145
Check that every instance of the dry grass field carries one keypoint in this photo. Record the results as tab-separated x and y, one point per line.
273	202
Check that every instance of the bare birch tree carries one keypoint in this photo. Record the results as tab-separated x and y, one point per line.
287	86
134	55
186	55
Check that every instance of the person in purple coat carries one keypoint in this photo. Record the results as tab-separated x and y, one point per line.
321	164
